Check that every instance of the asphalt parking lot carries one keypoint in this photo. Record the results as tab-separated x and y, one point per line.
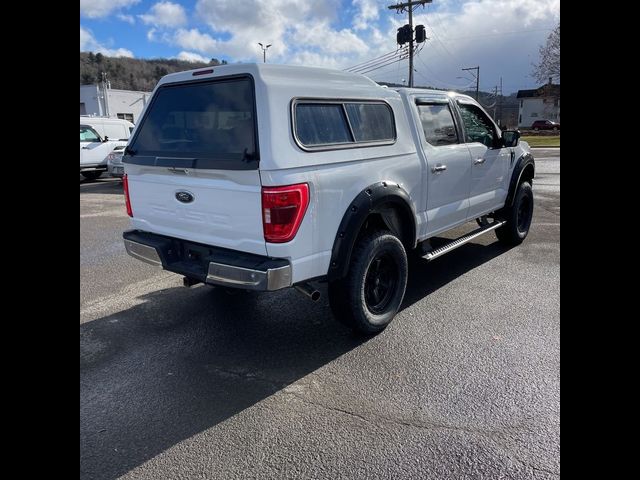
195	383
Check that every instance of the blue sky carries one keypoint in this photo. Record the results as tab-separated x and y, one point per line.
501	36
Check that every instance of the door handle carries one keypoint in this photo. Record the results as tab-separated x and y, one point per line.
439	168
85	148
479	161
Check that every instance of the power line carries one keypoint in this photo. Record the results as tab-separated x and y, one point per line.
377	61
437	37
403	57
384	65
389	54
380	65
439	80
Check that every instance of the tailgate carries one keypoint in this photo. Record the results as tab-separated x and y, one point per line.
217	207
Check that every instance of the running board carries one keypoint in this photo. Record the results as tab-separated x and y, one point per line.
438	252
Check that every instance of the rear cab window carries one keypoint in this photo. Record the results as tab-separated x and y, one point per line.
325	124
207	124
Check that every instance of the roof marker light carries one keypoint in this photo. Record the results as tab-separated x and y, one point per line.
202	72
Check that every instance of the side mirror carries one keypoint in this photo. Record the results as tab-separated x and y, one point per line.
510	138
106	139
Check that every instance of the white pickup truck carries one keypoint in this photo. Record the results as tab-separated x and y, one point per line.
264	177
99	136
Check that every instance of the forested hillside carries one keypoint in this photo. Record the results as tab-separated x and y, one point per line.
132	73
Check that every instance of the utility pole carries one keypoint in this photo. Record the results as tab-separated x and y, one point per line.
500	109
400	7
495	103
105	94
477	69
264	52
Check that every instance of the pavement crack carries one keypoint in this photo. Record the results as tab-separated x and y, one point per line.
375	419
326	407
245	375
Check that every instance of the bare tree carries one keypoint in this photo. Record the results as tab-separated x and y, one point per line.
549	65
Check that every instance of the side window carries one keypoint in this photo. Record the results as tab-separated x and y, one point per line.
88	134
437	123
478	126
321	124
370	122
343	124
126	116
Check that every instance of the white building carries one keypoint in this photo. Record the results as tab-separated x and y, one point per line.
540	104
124	104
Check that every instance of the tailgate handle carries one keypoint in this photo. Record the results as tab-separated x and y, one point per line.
175	162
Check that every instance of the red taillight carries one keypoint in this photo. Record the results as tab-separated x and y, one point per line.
283	209
127	200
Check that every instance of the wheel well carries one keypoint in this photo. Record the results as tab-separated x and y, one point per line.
390	217
527	174
383	206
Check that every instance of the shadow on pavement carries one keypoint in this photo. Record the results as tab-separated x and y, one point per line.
184	360
106	185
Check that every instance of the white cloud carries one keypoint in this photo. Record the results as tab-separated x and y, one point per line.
367	12
314	59
103	8
126	18
165	14
89	43
194	40
192	57
502	36
326	40
266	21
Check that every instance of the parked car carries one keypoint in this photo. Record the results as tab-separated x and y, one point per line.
96	144
263	177
114	162
545	125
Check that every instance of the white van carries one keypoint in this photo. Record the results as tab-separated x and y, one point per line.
99	136
111	128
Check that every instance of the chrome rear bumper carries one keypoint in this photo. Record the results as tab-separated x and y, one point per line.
232	276
267	274
142	252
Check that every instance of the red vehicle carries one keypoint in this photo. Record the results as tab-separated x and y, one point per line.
545	125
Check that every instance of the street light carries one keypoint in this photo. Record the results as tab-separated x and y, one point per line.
264	52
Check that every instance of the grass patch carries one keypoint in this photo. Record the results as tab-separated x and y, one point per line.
542	141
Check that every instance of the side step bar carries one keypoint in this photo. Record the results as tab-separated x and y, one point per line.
438	252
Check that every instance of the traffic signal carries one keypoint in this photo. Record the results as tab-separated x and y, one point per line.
421	34
405	34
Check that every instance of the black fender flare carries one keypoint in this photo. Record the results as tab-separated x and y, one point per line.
525	163
384	198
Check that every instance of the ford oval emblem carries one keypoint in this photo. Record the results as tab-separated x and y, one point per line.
184	197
